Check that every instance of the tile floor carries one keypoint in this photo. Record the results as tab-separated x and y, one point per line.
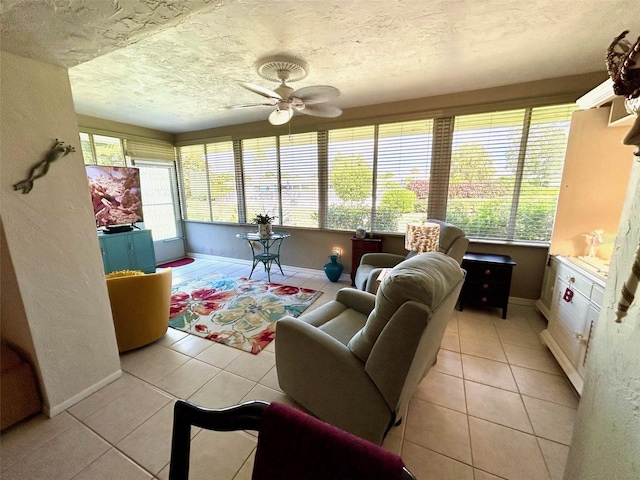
496	405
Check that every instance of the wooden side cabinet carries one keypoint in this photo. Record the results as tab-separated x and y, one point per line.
360	246
488	280
128	251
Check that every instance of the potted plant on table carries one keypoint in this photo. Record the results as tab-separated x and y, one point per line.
264	223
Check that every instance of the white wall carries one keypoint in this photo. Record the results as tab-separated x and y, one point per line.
59	301
606	439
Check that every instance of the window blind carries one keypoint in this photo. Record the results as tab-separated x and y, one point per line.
402	174
261	177
195	183
350	173
221	170
102	150
299	179
149	150
505	172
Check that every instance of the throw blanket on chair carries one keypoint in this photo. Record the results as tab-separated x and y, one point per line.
295	446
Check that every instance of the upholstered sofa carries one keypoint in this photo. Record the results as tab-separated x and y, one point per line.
356	361
140	305
452	242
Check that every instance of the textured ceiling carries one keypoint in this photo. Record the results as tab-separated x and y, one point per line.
170	65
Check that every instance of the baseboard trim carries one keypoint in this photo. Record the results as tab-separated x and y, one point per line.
52	411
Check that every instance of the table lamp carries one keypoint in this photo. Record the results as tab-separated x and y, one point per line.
422	237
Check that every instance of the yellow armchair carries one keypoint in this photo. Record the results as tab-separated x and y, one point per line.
140	307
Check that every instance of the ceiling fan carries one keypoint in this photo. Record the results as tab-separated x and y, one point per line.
286	100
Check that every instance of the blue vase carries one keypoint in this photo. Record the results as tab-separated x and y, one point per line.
333	269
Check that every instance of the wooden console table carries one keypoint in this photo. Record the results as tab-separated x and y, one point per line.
360	246
488	280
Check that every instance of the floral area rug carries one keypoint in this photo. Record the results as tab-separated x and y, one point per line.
238	312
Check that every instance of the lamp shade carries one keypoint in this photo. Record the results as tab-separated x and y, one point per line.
422	237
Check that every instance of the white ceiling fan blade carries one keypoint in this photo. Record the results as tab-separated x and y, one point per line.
316	94
327	111
247	105
265	92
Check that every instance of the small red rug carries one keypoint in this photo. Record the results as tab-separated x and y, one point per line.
177	263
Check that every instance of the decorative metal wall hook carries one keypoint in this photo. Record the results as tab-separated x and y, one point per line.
40	169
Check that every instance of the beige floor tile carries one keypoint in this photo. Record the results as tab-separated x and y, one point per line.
159	365
191	345
441	389
271	379
516	318
120	417
488	372
246	471
497	405
506	452
62	458
555	455
266	394
219	455
172	336
477	328
545	386
426	464
448	362
17	442
532	358
219	355
474	315
451	341
481	475
518	336
224	390
537	321
111	465
439	429
393	444
481	347
104	396
188	378
550	420
252	367
452	326
133	358
150	443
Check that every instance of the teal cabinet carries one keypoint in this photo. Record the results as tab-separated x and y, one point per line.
128	251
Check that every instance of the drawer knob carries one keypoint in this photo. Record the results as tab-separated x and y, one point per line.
486	285
487	272
571	279
484	299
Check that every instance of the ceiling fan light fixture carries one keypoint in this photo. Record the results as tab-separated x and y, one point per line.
280	116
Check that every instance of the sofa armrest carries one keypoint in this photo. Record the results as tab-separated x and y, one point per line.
458	248
363	302
383	260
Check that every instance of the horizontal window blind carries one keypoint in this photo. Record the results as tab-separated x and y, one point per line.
149	150
195	183
86	144
222	181
350	173
505	172
299	179
402	174
102	150
261	177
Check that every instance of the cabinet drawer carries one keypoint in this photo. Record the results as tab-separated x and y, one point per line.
577	281
569	322
484	273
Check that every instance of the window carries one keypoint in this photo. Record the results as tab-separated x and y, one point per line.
505	172
299	174
102	150
496	175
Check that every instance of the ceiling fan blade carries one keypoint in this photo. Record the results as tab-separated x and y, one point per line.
265	92
316	94
247	105
327	111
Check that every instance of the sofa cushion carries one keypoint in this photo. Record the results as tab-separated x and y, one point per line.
425	278
123	273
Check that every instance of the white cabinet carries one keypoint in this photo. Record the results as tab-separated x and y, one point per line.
575	306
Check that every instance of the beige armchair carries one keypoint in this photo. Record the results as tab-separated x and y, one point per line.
356	361
452	243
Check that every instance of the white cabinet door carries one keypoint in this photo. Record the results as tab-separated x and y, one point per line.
568	325
587	338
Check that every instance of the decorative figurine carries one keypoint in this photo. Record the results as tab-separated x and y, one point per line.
40	169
